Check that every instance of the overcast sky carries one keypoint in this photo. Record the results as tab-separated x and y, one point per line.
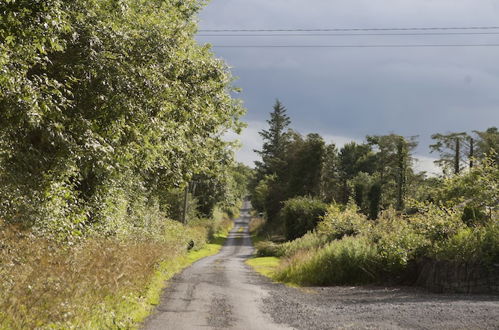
347	93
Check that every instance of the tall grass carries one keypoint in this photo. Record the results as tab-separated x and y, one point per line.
351	260
96	283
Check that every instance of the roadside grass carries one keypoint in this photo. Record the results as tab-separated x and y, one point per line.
211	248
100	283
265	266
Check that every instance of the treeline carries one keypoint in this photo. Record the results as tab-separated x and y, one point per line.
108	110
361	214
376	175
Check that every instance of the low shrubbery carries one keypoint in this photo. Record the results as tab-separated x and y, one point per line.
343	221
347	248
301	214
351	260
471	245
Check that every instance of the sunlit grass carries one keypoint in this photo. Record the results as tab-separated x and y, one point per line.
265	266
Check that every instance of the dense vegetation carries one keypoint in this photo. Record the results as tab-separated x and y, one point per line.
112	120
362	214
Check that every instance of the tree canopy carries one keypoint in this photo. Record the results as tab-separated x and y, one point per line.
105	104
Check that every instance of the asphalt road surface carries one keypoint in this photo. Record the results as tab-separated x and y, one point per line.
222	292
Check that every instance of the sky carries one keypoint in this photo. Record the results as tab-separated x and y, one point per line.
345	94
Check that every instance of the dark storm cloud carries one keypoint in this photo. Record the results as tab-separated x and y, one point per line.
354	92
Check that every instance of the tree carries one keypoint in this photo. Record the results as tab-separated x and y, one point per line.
488	144
106	105
274	149
275	141
451	148
353	159
305	160
330	181
394	163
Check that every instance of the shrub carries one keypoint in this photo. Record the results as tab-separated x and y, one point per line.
397	242
256	224
338	223
309	241
351	260
472	245
436	223
301	214
269	249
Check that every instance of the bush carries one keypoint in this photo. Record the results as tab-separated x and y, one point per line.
397	242
269	249
436	223
472	245
338	223
301	214
351	260
309	241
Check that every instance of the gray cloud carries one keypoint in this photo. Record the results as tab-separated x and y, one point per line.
354	92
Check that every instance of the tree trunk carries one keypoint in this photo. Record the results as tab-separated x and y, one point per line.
472	151
401	177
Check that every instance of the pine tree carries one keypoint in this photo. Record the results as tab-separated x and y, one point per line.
275	141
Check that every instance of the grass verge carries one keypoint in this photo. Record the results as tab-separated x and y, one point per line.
100	283
169	268
265	266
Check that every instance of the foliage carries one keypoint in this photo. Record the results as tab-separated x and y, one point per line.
488	144
347	248
269	249
394	163
338	223
472	245
106	106
301	214
275	141
351	260
436	223
477	189
451	149
397	242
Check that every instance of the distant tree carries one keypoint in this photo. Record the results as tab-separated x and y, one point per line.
374	198
394	163
451	148
330	181
275	141
354	158
488	144
273	164
305	165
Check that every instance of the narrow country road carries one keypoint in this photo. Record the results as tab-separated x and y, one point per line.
222	292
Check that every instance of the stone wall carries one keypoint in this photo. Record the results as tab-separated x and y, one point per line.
458	277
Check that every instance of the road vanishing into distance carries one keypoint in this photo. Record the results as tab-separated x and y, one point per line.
222	292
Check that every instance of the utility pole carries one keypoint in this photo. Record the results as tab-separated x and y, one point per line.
184	213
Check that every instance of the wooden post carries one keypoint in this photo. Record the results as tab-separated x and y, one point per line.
184	213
